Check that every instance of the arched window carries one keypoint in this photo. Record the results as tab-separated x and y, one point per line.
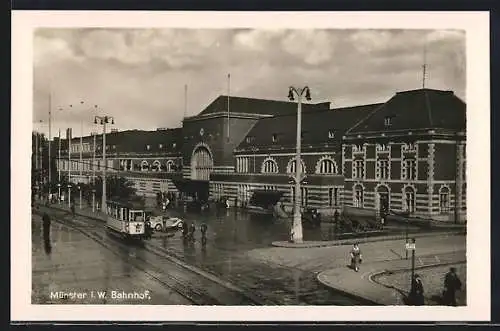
291	168
444	200
327	166
144	165
269	166
170	166
409	199
358	196
156	166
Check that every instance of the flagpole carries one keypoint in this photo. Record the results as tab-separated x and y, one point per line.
185	100
50	143
228	94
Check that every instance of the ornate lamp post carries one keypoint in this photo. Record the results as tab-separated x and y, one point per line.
296	233
103	120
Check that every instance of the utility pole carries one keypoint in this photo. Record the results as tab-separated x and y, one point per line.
103	121
59	164
69	136
296	233
50	138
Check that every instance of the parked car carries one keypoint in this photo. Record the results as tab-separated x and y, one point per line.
156	222
173	223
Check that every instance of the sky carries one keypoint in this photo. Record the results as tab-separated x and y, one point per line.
138	75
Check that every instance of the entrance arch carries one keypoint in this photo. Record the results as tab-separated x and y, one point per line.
201	163
383	199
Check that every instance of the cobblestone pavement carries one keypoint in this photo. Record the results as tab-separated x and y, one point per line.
322	258
433	280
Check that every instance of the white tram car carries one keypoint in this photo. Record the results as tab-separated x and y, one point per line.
126	220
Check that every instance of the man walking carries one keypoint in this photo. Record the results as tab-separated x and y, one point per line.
417	295
451	284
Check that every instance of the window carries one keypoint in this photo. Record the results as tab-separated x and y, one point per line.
409	169
331	134
170	166
383	169
156	166
174	145
160	146
303	135
270	166
327	166
387	121
148	147
293	169
333	196
444	200
303	196
144	165
358	196
249	139
275	137
114	146
359	169
410	200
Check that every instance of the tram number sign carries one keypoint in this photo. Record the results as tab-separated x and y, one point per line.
410	246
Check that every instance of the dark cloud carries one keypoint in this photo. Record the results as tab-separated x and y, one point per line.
138	75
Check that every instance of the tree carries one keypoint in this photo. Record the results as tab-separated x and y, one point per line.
116	187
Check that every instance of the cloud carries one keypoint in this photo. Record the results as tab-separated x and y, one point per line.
138	75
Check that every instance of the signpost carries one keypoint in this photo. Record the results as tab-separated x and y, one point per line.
410	246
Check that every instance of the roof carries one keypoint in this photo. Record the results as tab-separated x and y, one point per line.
136	141
258	106
317	127
414	110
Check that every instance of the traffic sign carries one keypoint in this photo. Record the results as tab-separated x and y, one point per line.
410	246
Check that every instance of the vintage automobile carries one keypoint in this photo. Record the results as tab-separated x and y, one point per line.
164	223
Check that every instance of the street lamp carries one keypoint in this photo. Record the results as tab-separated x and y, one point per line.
103	120
296	233
69	195
80	189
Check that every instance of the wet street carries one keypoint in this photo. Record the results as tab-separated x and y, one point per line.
77	262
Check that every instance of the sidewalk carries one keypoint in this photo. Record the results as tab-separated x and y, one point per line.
363	285
351	241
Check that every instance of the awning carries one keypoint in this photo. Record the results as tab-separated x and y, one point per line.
265	198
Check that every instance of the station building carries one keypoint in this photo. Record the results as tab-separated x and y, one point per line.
406	154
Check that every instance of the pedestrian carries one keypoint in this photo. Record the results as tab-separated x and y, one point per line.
192	230
451	285
185	229
203	230
46	225
73	209
417	291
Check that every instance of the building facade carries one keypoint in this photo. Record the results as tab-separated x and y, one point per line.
406	154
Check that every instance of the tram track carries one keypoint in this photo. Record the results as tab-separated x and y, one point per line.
171	278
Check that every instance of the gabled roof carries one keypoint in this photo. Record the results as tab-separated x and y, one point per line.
316	127
414	110
257	106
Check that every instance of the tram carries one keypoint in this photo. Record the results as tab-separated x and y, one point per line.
126	219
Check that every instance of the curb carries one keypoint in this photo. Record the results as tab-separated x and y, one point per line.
349	294
285	244
372	276
378	273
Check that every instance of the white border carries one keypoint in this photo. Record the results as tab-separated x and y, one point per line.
478	147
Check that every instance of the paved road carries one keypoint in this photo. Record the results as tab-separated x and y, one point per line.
230	237
78	267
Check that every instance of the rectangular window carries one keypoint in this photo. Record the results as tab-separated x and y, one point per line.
383	169
333	196
359	169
